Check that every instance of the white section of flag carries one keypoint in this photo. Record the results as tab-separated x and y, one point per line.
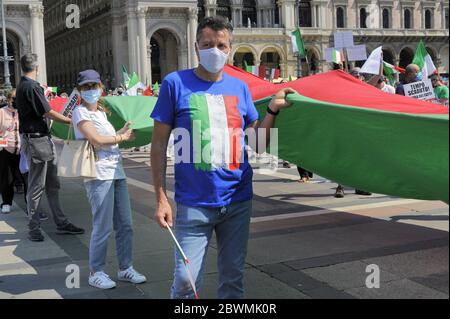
220	136
373	62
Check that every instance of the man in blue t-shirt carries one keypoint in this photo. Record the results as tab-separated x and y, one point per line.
208	112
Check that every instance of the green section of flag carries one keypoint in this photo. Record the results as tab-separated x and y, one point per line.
383	152
389	73
156	86
200	125
126	77
123	109
421	53
134	80
297	43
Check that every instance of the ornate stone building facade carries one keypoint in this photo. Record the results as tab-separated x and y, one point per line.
155	37
24	33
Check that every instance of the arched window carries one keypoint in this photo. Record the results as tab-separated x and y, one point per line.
407	18
428	19
224	9
249	12
340	17
386	19
305	14
363	18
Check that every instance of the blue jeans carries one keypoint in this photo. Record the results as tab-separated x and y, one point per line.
110	205
194	227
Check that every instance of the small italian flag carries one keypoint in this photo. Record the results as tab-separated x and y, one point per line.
216	132
297	43
390	71
274	74
336	57
259	71
134	85
423	59
51	89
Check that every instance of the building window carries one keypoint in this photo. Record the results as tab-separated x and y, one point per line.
407	19
428	19
224	9
386	19
446	18
363	18
201	10
276	9
340	17
249	12
305	14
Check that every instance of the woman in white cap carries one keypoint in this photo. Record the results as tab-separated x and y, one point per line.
108	193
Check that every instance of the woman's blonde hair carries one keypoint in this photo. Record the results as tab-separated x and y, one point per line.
9	96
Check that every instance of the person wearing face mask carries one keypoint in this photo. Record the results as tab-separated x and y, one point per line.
34	116
9	153
412	74
213	183
108	192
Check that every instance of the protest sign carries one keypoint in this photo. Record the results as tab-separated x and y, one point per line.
343	40
422	90
357	53
67	110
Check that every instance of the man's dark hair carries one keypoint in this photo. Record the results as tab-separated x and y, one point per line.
29	62
217	23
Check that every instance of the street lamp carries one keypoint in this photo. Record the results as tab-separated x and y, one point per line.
5	58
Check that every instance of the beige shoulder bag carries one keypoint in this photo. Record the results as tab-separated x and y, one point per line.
77	159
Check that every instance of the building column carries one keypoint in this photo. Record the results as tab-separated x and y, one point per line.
192	29
132	41
116	49
37	40
149	64
288	14
144	69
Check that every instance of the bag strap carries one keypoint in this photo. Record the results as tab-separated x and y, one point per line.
69	134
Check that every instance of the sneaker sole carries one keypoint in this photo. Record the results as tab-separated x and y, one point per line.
103	288
65	232
36	239
133	282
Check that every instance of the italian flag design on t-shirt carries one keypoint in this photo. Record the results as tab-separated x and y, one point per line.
216	132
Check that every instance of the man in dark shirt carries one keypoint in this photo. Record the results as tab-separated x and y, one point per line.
412	74
34	115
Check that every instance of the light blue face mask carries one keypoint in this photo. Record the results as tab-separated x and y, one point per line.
91	96
419	76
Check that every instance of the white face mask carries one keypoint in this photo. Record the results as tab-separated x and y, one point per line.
213	60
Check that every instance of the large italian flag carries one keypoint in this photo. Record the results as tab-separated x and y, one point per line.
216	131
356	135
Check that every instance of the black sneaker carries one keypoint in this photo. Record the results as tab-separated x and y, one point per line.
69	229
286	165
35	235
43	216
360	192
339	192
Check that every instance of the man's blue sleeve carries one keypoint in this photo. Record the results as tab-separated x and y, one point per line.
164	110
252	114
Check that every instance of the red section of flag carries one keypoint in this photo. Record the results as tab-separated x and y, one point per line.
148	92
235	130
338	87
262	71
58	103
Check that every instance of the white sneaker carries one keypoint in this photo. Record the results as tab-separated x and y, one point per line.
101	280
6	209
132	276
